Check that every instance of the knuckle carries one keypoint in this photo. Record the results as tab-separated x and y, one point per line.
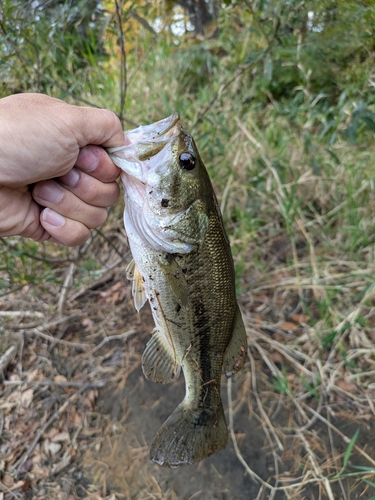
101	217
93	194
76	235
111	117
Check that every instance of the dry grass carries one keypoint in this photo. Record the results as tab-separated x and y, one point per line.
308	386
76	414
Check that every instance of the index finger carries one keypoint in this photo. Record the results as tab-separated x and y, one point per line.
95	126
94	161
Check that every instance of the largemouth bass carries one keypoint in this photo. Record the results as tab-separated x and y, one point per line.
183	266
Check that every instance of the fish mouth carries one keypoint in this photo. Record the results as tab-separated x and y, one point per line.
146	142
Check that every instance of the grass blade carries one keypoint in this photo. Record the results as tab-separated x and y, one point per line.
349	449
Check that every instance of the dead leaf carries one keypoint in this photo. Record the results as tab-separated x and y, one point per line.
7	480
61	465
33	375
54	448
276	357
74	420
346	386
40	473
114	293
27	484
27	397
37	458
288	326
92	395
258	319
60	378
300	318
60	437
87	323
26	466
51	433
17	485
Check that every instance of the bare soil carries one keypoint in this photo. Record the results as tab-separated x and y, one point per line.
122	467
77	415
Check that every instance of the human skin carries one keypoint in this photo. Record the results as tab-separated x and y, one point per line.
56	180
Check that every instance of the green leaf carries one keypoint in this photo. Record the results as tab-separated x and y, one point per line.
369	122
350	448
268	67
364	468
334	156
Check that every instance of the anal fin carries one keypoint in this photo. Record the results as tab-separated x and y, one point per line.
159	362
138	288
236	352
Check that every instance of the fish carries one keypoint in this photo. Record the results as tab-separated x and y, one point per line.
182	265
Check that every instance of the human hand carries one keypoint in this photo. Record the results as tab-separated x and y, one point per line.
55	179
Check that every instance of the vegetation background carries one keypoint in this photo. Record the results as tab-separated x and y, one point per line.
280	98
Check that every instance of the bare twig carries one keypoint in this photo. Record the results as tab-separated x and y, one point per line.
23	314
51	383
121	336
54	340
342	435
54	417
6	359
68	282
123	65
315	465
251	473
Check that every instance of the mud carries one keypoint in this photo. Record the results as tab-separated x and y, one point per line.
120	465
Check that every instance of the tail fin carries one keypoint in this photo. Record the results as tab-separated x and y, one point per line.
188	436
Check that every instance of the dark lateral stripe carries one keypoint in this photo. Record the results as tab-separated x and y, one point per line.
202	344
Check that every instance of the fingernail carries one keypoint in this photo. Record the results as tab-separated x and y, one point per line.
71	178
87	160
48	191
52	217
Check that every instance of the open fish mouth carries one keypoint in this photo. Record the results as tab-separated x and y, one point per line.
160	131
146	142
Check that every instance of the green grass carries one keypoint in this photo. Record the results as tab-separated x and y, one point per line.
295	179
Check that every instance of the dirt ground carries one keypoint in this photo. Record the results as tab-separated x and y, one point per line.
77	415
121	464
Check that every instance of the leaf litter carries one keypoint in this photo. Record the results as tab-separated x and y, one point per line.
77	415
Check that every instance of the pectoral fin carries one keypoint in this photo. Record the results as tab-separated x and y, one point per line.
138	288
159	362
236	352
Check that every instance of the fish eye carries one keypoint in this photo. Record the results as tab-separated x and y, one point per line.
187	161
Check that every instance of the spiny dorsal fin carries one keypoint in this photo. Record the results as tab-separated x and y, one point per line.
159	362
138	288
236	352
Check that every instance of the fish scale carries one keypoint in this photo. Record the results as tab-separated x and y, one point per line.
184	268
